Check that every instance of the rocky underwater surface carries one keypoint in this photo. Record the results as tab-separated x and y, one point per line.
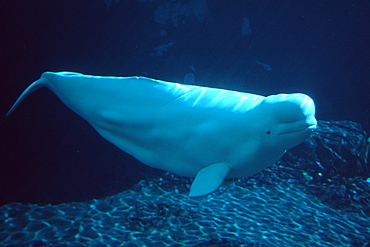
318	194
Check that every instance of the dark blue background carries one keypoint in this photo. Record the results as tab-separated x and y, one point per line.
50	155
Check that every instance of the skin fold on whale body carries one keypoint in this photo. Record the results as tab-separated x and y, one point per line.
192	131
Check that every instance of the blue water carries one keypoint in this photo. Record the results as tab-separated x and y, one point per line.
61	183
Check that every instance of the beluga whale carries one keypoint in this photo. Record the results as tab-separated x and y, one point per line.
208	134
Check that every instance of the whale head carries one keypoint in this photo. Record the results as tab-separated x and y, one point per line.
291	119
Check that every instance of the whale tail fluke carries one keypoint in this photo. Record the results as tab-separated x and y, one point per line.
30	89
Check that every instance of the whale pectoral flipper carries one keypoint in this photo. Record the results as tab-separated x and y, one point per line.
209	179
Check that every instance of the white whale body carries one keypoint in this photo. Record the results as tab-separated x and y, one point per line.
193	131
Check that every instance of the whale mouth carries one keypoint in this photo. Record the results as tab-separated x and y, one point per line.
311	128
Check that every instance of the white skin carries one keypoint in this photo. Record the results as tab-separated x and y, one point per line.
183	128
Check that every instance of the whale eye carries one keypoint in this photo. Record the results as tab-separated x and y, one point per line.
268	132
